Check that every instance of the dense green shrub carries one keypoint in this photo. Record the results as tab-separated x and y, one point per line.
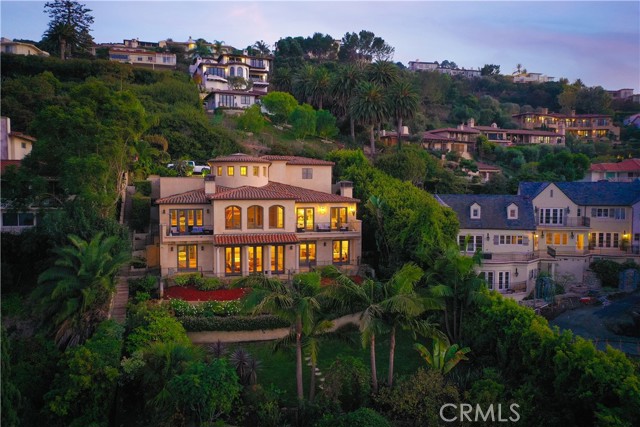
363	417
151	324
141	206
347	383
556	378
252	120
182	308
232	323
143	187
607	271
416	400
147	284
83	392
197	281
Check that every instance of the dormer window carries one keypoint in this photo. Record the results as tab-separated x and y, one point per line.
475	211
512	211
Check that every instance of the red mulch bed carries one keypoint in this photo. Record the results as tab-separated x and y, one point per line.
193	294
356	279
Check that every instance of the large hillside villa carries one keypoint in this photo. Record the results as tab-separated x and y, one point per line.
272	214
557	228
581	126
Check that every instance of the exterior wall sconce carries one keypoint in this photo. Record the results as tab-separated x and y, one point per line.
517	272
207	210
568	210
352	210
322	210
324	244
487	237
542	235
171	248
572	235
291	247
202	248
163	211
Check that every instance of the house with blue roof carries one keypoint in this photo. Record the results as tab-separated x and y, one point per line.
579	221
502	228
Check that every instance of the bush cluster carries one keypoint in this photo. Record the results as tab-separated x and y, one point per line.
232	323
199	282
182	308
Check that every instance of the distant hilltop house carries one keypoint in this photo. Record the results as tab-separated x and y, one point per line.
624	95
532	78
139	54
434	66
463	138
582	126
625	171
232	79
20	48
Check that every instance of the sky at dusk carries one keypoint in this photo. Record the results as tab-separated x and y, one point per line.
598	42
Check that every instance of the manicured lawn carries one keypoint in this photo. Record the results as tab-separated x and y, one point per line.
278	369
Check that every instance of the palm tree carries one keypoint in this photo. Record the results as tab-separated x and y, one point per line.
79	285
365	298
296	301
368	106
201	49
402	308
459	285
402	102
319	86
443	357
262	47
384	73
303	84
343	88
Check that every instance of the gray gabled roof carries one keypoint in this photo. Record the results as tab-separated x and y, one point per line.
493	211
601	193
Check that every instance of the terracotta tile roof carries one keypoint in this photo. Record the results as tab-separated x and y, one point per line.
627	165
305	195
487	167
531	132
196	197
239	157
295	160
4	164
251	193
254	239
435	137
465	129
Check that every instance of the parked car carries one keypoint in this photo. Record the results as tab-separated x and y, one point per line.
197	169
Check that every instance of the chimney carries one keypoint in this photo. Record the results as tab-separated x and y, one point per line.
209	185
405	130
471	122
346	188
573	113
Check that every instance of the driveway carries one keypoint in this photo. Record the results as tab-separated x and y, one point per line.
589	323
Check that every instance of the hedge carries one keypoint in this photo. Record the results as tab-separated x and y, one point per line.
232	323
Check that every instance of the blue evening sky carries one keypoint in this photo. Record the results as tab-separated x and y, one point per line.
598	42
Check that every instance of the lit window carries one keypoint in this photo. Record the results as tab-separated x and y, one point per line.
187	257
233	260
219	170
243	171
305	218
264	171
256	171
255	217
338	218
308	253
341	252
233	218
277	259
184	220
276	217
254	253
230	170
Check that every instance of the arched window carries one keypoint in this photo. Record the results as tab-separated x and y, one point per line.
233	218
232	72
240	72
255	217
276	217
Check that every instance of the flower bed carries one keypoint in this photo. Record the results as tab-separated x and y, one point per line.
191	294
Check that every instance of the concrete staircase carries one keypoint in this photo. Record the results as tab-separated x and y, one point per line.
120	299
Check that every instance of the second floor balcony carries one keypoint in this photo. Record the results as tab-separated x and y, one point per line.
565	221
330	227
171	233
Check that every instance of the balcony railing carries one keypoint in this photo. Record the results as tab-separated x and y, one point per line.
580	221
499	257
326	227
512	288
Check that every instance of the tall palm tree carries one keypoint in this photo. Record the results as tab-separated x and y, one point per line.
302	83
343	87
402	307
319	86
296	301
402	102
384	73
262	47
78	287
455	281
366	299
369	107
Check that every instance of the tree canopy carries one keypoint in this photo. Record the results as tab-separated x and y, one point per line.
69	28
